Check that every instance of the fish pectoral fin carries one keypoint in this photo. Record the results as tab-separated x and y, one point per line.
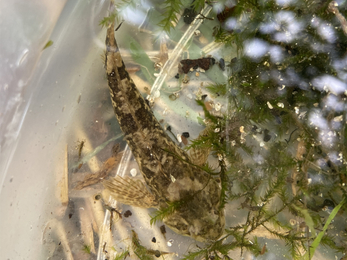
199	156
131	192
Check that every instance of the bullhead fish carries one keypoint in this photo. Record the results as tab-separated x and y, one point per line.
169	173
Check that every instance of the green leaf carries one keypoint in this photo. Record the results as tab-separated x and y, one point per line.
122	256
318	239
107	20
48	44
308	219
171	9
86	249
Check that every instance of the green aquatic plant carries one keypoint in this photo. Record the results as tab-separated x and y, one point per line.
87	249
122	256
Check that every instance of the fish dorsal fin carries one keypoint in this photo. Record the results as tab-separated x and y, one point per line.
131	192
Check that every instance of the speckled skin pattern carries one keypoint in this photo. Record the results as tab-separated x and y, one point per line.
164	166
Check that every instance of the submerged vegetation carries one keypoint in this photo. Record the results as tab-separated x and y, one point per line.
281	141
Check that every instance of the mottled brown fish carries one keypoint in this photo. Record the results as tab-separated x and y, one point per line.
169	174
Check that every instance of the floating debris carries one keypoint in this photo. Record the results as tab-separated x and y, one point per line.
163	230
127	213
281	105
79	98
185	80
48	44
338	118
186	134
173	179
189	15
202	63
80	148
269	105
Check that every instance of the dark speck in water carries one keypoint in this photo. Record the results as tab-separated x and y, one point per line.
222	64
185	134
127	213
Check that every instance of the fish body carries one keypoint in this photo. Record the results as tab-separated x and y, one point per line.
167	170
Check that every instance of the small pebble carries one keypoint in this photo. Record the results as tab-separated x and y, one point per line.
172	97
156	94
197	32
157	253
217	106
133	172
170	242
